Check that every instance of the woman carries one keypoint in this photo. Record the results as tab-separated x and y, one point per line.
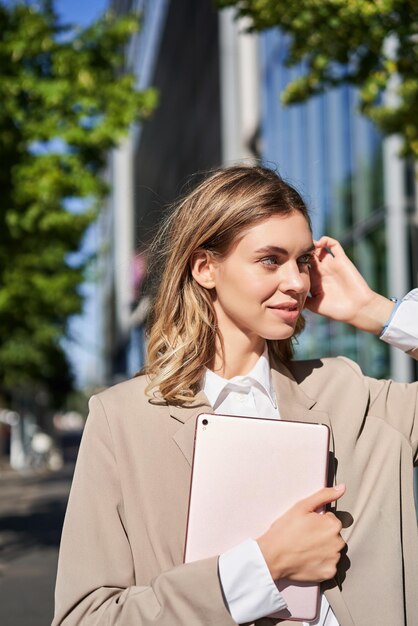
239	266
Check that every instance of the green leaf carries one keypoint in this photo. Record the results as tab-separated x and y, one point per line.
353	33
64	103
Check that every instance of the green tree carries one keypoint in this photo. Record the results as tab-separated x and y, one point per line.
368	43
64	103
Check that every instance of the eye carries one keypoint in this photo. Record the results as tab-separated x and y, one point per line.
270	261
305	259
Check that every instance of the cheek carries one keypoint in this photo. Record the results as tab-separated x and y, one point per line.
233	276
308	280
307	283
241	286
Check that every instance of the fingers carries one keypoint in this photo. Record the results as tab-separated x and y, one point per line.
327	246
302	545
335	523
326	241
321	498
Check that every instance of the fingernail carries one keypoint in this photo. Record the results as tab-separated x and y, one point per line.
339	487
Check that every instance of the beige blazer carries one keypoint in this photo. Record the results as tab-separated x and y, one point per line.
122	544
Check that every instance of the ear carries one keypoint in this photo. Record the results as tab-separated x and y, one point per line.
202	266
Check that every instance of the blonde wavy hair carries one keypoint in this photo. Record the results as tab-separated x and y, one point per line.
183	327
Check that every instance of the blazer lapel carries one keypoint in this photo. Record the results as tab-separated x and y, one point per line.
186	416
294	404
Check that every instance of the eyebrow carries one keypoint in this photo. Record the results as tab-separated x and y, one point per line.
283	251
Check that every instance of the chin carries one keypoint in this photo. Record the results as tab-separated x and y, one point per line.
280	336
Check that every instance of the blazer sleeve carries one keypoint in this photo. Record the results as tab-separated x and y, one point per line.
95	580
396	403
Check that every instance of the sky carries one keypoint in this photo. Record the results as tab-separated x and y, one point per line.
80	11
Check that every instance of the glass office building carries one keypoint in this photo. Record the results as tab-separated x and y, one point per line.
333	156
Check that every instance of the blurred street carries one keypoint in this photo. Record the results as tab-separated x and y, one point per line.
32	508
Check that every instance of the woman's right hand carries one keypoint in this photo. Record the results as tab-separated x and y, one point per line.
303	545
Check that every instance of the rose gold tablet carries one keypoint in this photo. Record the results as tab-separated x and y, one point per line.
247	472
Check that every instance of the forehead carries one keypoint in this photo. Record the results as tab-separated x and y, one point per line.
278	230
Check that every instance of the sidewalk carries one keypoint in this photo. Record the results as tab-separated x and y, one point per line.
32	508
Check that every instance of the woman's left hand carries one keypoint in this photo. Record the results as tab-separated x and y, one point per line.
340	292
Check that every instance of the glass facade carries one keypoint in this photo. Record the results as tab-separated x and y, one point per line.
333	156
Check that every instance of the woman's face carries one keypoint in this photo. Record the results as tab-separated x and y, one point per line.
261	285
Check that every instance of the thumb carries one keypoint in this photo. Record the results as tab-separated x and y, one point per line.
322	497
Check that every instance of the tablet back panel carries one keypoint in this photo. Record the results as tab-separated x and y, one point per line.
246	473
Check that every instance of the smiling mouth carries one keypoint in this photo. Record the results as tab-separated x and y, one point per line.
285	307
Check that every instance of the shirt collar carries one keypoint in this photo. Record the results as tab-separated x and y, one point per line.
259	376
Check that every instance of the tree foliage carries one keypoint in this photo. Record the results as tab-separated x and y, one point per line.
64	103
372	44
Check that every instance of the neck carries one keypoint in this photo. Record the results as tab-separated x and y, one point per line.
237	358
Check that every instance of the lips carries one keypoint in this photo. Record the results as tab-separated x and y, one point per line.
287	312
285	306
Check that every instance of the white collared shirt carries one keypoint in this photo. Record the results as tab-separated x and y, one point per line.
252	395
248	587
401	331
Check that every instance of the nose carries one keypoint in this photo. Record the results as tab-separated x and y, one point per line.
292	278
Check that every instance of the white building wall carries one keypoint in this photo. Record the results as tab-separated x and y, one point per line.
240	93
396	241
123	233
396	221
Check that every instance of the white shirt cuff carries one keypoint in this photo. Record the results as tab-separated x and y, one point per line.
402	330
249	589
